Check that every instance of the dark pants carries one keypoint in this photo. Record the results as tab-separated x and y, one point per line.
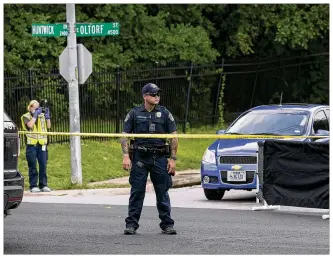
157	166
34	153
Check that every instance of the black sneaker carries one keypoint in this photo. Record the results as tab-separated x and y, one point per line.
129	231
169	231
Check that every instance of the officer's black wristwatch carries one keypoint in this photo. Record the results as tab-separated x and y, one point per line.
173	157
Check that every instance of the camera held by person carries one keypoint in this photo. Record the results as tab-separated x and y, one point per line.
43	105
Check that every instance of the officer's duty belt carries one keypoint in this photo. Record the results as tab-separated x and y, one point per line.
159	150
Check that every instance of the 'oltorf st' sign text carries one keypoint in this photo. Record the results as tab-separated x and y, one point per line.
82	29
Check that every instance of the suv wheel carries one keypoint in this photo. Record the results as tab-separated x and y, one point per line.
214	194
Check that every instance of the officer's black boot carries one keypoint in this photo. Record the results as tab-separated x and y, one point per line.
169	231
129	231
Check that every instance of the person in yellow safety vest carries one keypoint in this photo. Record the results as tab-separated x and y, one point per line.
36	120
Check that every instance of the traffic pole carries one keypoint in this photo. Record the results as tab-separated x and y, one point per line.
73	90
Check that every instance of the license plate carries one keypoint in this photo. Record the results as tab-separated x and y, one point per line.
236	176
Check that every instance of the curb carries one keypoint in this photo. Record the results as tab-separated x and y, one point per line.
183	180
186	175
189	180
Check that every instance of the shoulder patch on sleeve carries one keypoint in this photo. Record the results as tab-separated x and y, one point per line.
171	117
127	117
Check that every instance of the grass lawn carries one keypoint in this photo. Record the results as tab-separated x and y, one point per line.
103	160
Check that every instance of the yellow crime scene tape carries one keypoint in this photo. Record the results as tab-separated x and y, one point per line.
184	136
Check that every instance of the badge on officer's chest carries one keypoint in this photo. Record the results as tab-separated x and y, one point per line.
152	128
158	114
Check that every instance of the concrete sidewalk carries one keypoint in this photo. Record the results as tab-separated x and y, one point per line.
181	179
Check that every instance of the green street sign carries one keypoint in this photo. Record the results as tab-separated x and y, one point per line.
97	29
49	30
82	29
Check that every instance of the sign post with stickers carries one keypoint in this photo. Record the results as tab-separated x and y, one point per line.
75	65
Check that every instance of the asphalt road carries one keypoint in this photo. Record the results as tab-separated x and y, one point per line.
60	228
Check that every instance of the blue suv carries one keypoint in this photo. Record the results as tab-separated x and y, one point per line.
232	163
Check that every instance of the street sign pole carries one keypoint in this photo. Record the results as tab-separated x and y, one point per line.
75	65
73	90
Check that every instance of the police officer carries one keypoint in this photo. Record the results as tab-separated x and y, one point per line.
150	155
37	121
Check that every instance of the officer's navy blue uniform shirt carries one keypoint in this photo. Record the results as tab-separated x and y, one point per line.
158	121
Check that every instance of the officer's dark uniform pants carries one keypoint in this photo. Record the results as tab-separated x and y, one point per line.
157	166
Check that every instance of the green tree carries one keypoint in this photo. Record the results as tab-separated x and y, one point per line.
197	33
142	37
277	25
21	50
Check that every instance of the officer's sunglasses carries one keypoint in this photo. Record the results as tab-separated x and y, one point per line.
157	94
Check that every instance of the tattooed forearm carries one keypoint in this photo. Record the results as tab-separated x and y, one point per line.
174	145
124	145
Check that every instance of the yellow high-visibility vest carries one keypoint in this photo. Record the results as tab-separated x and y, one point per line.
40	127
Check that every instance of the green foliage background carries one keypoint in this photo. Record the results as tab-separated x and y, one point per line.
163	33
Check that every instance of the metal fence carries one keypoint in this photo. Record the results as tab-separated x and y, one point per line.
191	92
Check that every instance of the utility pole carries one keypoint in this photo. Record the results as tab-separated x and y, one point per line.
73	90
